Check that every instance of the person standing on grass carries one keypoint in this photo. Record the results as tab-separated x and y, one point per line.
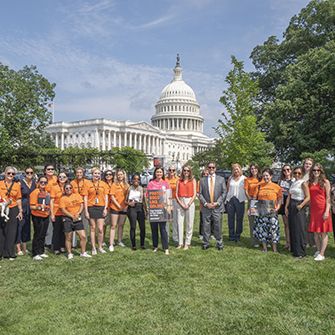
40	211
212	195
49	172
269	197
136	211
96	204
235	202
10	192
332	198
118	207
172	179
185	196
298	197
28	184
307	166
251	187
71	204
158	183
320	217
108	179
79	185
285	183
57	191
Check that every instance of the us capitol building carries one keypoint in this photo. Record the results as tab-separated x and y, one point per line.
175	133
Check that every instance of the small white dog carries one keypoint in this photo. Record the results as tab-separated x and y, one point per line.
4	204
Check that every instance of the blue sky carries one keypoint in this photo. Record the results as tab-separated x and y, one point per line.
112	58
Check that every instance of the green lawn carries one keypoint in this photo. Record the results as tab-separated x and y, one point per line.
237	291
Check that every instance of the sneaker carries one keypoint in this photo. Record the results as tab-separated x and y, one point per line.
70	256
111	248
167	252
186	247
85	254
102	251
11	258
104	244
94	252
20	253
37	258
62	250
44	256
201	237
179	246
155	250
256	245
319	258
212	237
317	253
57	252
121	244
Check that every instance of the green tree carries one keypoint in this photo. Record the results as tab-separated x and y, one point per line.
297	82
24	96
240	139
129	159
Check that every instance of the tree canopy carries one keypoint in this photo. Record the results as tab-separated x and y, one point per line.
297	83
24	98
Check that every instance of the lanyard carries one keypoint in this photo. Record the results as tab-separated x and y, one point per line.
96	188
9	189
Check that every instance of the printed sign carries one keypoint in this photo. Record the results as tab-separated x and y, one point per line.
159	205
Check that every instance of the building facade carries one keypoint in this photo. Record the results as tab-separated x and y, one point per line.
175	133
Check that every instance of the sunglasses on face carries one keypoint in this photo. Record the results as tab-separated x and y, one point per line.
50	169
298	173
109	174
286	169
10	173
172	170
211	167
43	182
316	170
186	170
61	177
29	172
68	188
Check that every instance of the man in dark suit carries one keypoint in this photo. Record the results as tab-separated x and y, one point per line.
212	195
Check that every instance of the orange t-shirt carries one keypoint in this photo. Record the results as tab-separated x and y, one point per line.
119	192
186	189
71	203
34	196
173	185
14	195
80	186
56	193
251	186
269	191
52	182
96	193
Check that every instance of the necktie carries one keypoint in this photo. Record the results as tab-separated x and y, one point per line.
211	189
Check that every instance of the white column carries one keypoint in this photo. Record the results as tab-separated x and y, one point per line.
114	138
97	142
103	140
125	139
119	139
144	144
62	141
56	140
130	139
109	140
140	142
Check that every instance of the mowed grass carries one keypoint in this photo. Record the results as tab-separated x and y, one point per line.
237	291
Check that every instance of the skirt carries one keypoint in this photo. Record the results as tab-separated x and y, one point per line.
96	212
266	229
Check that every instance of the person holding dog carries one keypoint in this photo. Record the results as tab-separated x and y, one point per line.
10	193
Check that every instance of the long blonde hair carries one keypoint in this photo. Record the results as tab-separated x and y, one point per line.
125	180
190	177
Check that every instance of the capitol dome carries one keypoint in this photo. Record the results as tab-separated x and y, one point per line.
177	109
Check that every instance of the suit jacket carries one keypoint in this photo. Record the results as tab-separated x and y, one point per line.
220	191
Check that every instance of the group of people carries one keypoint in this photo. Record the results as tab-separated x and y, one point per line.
64	212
